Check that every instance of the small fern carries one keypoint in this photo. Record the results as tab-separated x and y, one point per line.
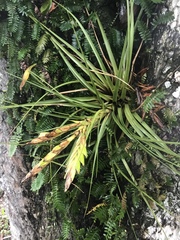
144	32
169	116
15	139
30	124
13	17
134	194
42	44
56	197
65	26
109	229
162	19
46	56
155	97
57	200
66	230
38	182
35	34
147	6
92	234
44	124
101	214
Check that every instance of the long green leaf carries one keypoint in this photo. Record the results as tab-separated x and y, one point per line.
108	48
75	51
155	153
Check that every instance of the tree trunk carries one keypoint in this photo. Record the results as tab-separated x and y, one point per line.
164	71
29	216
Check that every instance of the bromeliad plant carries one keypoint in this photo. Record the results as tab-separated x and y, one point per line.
108	105
100	125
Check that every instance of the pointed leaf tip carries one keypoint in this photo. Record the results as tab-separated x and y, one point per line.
26	75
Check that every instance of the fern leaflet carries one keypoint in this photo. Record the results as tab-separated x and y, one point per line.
15	139
37	182
149	102
144	31
162	19
42	44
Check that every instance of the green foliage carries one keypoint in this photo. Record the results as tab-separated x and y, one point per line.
45	123
92	234
170	116
157	1
42	43
147	6
46	56
112	227
35	34
66	230
144	31
155	97
15	140
88	63
46	6
101	214
58	203
13	24
162	19
38	182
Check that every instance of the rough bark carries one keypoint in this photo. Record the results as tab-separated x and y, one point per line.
165	72
29	216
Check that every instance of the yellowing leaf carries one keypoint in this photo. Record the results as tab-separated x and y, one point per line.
26	75
50	156
76	158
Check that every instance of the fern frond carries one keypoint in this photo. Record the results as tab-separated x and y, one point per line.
57	201
12	50
155	97
45	123
4	33
35	34
109	229
98	189
13	17
162	19
38	182
144	32
42	44
147	6
30	124
134	194
20	31
65	26
66	230
22	53
100	212
15	139
46	56
92	234
169	116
